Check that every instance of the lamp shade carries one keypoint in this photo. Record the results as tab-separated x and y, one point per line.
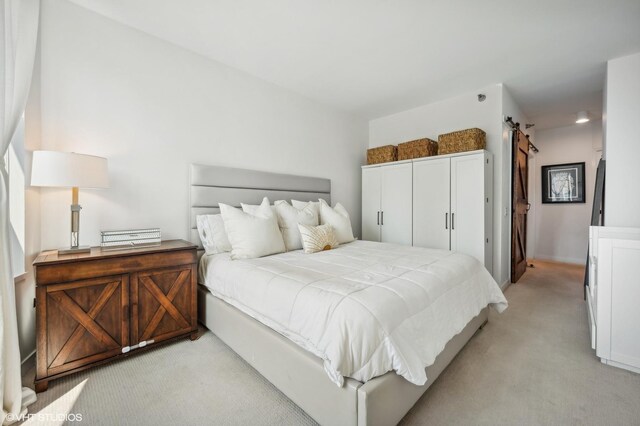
68	169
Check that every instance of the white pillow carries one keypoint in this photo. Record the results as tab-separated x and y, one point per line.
317	238
212	233
338	217
288	219
302	204
250	235
253	208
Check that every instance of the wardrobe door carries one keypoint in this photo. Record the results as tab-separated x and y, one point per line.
371	204
431	200
467	205
396	212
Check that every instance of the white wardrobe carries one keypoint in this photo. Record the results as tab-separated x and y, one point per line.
386	198
442	202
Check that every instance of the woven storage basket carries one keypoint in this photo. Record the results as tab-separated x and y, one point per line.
463	140
382	154
416	149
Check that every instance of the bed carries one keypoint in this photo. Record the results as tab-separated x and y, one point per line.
290	315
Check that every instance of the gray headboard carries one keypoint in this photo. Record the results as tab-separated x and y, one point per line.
210	185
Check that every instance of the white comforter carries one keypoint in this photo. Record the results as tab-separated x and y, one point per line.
365	308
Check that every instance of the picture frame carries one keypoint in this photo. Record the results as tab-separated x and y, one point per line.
563	183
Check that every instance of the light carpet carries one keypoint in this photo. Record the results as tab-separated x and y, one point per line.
532	365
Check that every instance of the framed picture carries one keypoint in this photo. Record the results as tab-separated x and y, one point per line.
563	183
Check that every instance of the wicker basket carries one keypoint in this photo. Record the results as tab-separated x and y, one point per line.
382	154
463	140
416	149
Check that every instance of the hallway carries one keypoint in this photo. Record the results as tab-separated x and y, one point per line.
533	364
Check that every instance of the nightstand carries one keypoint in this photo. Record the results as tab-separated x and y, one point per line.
94	307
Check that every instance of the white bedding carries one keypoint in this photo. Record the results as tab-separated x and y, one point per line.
365	308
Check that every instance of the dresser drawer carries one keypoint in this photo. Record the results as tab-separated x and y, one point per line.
63	272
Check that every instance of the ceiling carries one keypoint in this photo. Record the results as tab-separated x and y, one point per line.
377	57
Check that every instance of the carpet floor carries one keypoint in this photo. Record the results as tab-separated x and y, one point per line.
532	365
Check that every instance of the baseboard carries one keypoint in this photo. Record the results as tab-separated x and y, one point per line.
504	285
620	365
28	363
569	260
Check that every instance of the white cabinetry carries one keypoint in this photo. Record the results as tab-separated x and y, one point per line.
613	295
452	206
371	195
386	203
442	202
432	203
471	209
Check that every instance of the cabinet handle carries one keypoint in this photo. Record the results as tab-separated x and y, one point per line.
139	345
378	218
453	221
446	221
381	218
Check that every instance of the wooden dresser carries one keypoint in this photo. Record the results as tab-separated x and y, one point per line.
95	307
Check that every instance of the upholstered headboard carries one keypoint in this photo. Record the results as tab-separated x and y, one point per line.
210	185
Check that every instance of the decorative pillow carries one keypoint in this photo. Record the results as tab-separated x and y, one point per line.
338	217
288	219
250	235
212	233
317	238
302	204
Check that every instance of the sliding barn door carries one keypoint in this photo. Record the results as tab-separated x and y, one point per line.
520	205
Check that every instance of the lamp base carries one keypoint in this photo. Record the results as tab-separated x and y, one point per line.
75	250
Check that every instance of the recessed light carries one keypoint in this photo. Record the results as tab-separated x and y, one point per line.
583	117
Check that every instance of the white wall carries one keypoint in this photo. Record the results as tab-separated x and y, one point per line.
152	109
622	141
560	232
431	120
462	112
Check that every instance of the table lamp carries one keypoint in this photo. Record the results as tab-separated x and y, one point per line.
70	170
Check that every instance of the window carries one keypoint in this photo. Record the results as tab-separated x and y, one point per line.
14	162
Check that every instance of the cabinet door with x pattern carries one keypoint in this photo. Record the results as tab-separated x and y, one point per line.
85	322
162	303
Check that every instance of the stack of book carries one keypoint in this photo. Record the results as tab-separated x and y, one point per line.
114	240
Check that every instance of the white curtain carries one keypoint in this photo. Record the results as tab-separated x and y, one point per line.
18	36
